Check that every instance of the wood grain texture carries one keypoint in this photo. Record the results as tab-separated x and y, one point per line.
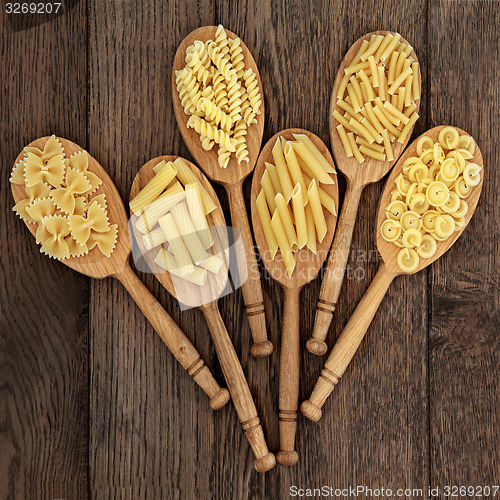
357	177
147	433
464	306
306	269
44	407
232	179
355	330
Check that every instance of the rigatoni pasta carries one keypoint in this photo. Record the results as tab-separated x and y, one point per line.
378	93
174	223
291	203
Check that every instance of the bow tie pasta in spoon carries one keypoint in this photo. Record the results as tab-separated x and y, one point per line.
62	199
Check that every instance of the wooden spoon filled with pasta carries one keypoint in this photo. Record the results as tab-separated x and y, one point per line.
70	204
294	199
373	109
217	97
182	237
428	200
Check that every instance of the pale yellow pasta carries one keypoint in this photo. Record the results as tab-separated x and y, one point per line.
283	243
267	187
299	215
384	120
176	244
372	48
387	145
408	260
376	147
273	173
294	168
354	147
396	112
282	170
311	229
383	87
326	200
153	188
392	68
159	207
315	152
317	211
427	247
399	81
342	86
265	221
407	128
188	232
154	238
471	174
371	152
393	42
390	230
345	141
95	219
197	213
167	261
362	48
212	263
286	220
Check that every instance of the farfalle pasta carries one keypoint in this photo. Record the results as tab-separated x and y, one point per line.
429	203
62	200
221	97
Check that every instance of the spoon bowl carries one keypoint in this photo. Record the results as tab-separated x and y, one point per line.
353	333
307	267
358	176
232	179
97	265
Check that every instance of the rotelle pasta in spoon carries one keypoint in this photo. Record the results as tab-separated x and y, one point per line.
63	200
429	202
220	95
377	98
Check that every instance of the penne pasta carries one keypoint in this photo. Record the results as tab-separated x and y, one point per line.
283	244
311	230
299	215
282	170
265	221
326	200
286	220
212	263
153	188
267	187
312	162
315	151
293	168
317	211
274	177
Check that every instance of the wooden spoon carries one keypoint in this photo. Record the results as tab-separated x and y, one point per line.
354	331
232	179
307	268
205	297
358	176
97	265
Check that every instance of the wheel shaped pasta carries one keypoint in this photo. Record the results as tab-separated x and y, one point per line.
429	196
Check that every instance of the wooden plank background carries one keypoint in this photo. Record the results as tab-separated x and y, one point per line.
91	403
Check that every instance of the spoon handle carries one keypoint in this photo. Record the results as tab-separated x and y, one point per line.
252	290
347	344
238	387
335	269
289	377
174	338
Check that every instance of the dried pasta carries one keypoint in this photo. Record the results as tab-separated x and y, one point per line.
291	202
428	203
220	95
377	98
175	226
62	200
